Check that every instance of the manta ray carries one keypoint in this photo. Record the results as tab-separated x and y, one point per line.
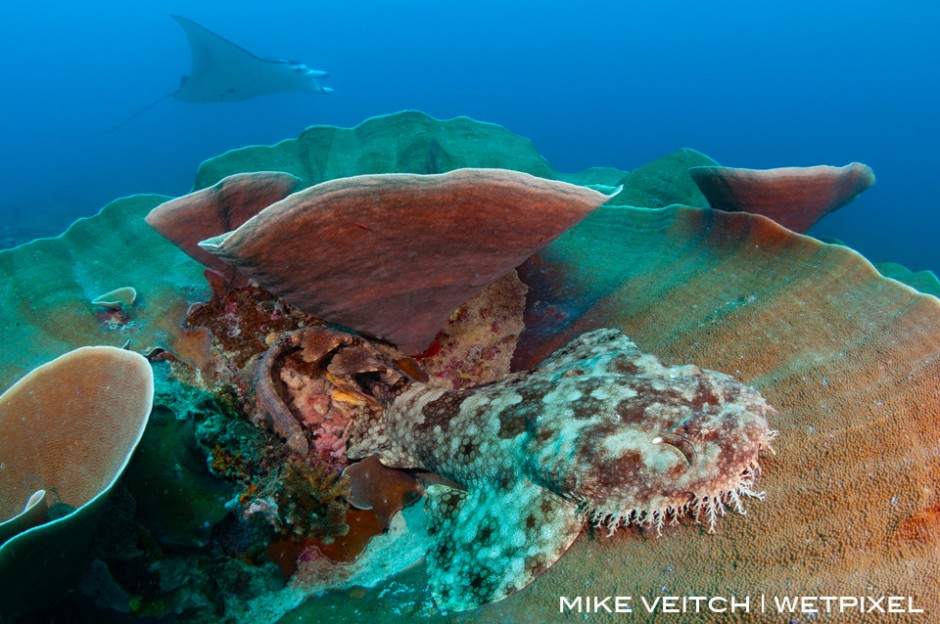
223	71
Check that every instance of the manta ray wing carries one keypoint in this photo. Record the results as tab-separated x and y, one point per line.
223	71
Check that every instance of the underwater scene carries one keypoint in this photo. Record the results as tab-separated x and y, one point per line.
480	312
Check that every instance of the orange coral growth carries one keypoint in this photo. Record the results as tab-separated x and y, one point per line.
922	526
285	552
363	526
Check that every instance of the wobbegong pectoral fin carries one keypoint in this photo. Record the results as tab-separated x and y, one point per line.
487	543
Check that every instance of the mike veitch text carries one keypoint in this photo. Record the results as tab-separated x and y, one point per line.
866	605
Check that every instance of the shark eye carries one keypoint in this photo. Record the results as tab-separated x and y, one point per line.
680	443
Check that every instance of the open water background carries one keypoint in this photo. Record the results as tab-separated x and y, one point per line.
751	83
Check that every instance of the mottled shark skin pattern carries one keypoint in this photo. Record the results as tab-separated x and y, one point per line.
599	432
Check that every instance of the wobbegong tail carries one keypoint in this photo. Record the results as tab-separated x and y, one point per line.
486	543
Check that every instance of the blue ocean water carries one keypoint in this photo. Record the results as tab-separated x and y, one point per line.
752	84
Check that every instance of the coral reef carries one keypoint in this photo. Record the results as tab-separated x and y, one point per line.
304	397
664	181
924	281
117	299
133	576
202	502
847	357
179	498
293	495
